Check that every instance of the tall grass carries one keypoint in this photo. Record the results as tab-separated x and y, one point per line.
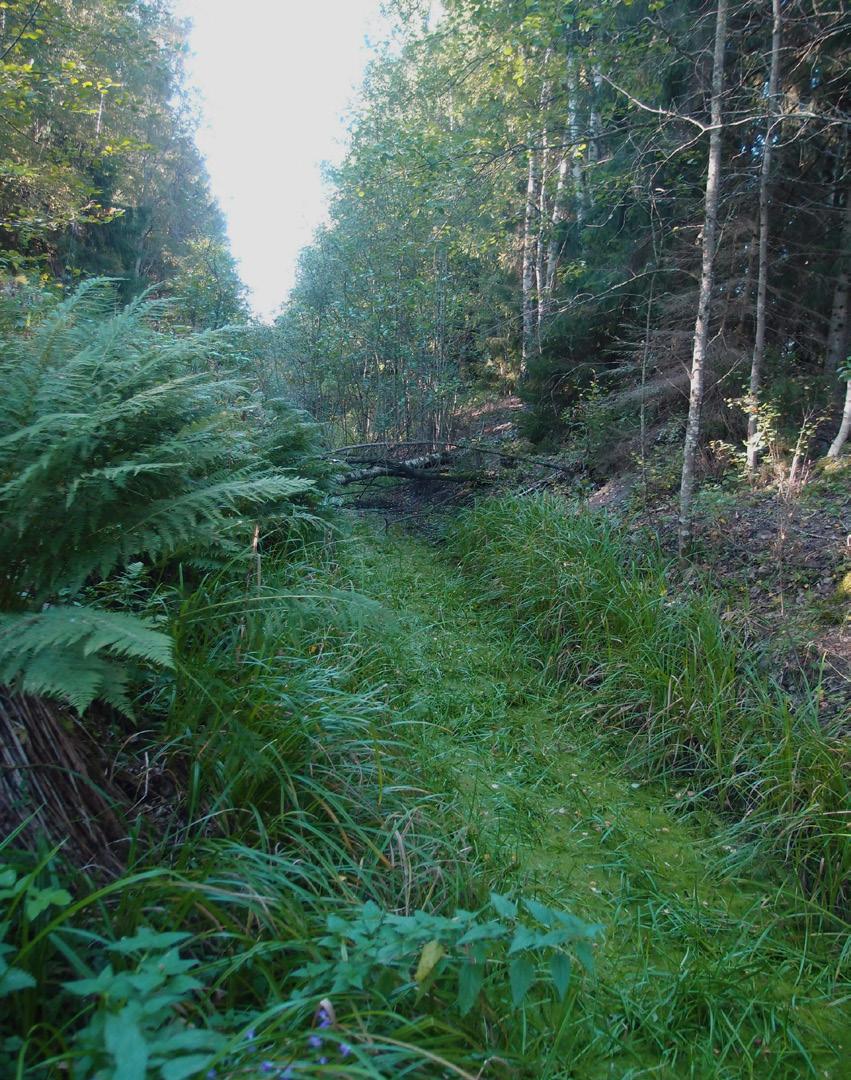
292	801
657	664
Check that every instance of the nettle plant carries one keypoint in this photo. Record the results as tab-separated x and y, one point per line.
469	954
137	1027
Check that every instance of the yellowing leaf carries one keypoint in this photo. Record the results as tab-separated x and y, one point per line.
429	958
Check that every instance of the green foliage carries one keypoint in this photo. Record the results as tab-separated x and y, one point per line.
463	953
122	445
99	172
135	1030
78	653
379	808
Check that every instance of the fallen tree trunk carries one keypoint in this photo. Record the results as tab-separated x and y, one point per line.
388	467
412	468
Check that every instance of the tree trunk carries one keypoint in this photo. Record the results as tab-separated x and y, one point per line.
837	340
837	336
529	253
844	427
762	275
573	128
557	217
540	242
704	304
411	468
595	148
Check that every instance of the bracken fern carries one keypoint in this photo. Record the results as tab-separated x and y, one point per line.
120	443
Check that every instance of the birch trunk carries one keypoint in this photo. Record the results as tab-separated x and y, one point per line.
844	427
529	253
559	213
595	151
540	244
837	342
540	247
837	335
704	304
573	128
762	274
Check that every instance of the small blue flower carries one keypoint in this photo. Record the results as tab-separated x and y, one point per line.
212	1074
323	1061
345	1049
266	1066
249	1035
314	1041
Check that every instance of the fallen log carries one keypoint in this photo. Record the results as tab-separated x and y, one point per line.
452	448
412	468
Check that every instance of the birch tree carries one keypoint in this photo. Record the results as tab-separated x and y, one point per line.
762	275
704	303
530	249
837	344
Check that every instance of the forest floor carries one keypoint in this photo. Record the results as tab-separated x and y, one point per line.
703	973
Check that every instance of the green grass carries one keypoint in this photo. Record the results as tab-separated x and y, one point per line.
682	695
379	721
709	968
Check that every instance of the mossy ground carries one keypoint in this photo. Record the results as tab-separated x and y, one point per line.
703	973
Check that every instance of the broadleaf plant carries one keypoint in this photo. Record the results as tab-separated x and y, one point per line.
459	956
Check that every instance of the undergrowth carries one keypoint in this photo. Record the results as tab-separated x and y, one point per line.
366	755
360	821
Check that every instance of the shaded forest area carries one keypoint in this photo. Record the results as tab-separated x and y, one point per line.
540	771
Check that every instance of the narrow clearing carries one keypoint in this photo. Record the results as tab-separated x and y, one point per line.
702	974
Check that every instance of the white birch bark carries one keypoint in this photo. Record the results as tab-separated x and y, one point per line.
529	252
540	243
594	147
844	427
573	129
762	275
704	304
559	213
837	344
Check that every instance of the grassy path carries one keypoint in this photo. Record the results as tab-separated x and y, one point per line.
702	974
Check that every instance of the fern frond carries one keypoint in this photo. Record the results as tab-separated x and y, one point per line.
78	653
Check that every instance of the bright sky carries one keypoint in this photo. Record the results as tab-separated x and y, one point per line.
275	78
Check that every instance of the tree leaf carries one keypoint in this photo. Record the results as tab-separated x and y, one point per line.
183	1067
37	902
585	956
483	932
540	912
13	979
145	939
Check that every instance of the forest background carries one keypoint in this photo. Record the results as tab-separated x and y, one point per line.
238	735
